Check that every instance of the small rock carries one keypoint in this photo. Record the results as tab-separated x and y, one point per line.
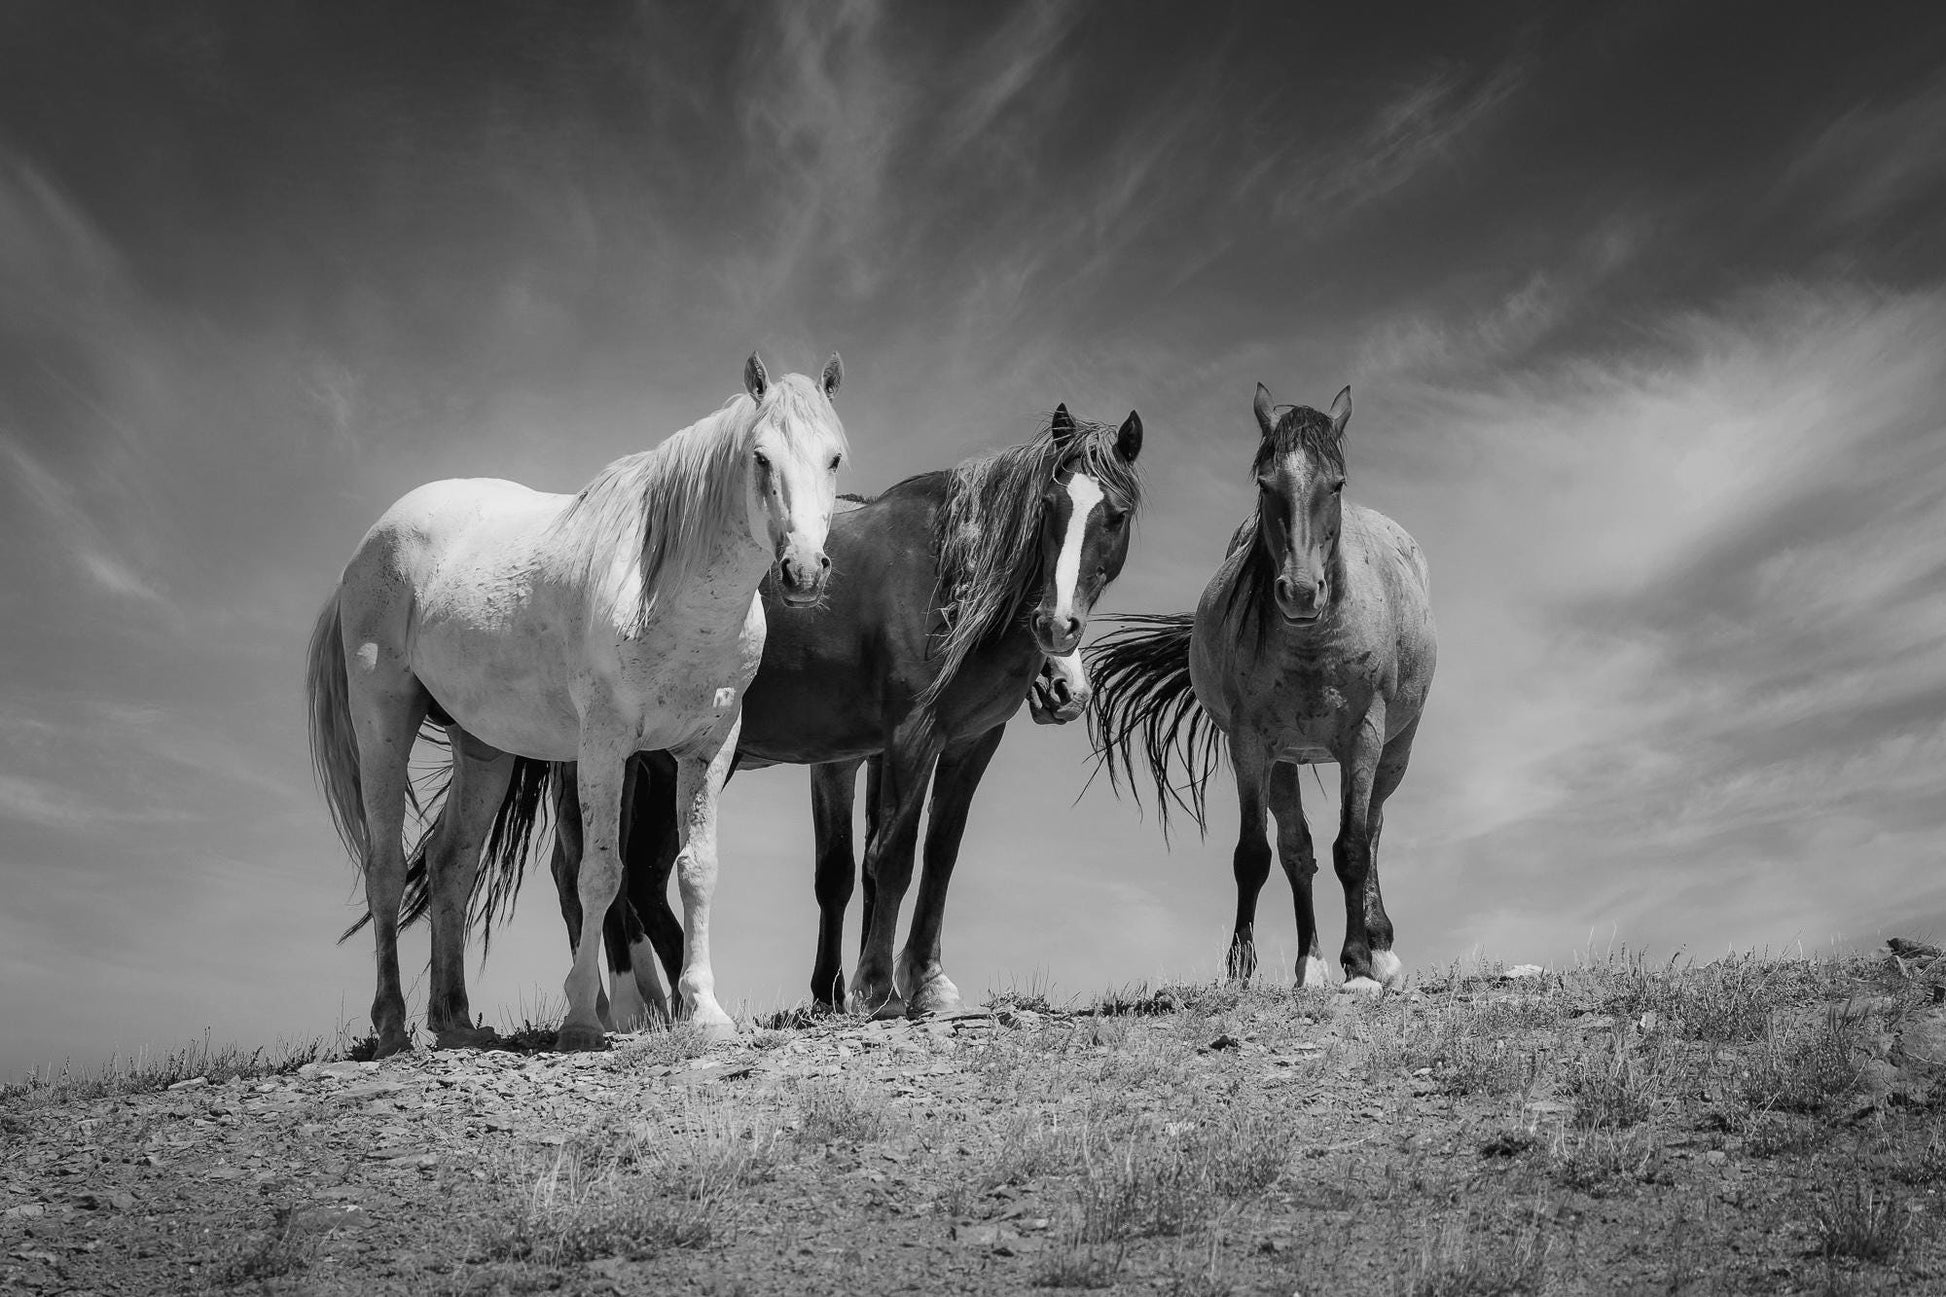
1716	1157
193	1083
1520	971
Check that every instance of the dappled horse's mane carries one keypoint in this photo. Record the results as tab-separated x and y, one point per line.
989	532
1298	427
670	502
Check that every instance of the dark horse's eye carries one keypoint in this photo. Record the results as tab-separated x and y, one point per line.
1113	517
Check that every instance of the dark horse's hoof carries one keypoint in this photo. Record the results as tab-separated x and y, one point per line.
390	1043
468	1038
574	1038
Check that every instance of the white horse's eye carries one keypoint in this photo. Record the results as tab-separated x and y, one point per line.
763	461
835	461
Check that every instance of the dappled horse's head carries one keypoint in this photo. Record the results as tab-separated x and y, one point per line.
1085	514
796	447
1300	471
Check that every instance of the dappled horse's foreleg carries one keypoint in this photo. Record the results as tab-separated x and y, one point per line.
1251	861
955	780
905	771
480	775
1300	863
1351	854
700	775
833	797
1386	966
599	772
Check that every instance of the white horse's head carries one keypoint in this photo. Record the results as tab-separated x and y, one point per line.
797	446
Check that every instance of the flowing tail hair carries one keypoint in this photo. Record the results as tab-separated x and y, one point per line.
520	829
1143	699
334	747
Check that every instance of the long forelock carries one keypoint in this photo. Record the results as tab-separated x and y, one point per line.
1300	428
989	532
667	504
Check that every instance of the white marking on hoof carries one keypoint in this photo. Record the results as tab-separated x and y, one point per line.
1387	968
1313	972
1362	986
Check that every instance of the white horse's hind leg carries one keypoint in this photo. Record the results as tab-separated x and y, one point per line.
699	783
387	705
599	774
480	775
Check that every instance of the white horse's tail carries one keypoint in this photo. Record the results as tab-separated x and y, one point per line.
334	748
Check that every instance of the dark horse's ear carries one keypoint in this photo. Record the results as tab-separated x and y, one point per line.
1341	411
834	374
1128	439
1061	425
1266	414
755	380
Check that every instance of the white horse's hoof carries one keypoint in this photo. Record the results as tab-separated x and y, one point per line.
718	1032
1389	971
1364	986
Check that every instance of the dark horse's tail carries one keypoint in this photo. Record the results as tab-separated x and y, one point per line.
517	831
1143	698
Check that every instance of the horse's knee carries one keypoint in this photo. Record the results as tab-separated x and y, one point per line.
1251	862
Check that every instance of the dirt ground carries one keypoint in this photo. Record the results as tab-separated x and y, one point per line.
1748	1126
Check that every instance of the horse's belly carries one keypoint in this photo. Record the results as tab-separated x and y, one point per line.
507	689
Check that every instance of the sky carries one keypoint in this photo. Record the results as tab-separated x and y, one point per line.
1644	311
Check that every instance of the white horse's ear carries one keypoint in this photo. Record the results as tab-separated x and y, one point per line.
1341	411
1266	414
1061	425
755	380
1128	438
834	374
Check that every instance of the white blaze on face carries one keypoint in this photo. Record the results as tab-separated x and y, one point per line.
1084	493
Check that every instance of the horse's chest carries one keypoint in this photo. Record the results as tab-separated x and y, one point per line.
1309	707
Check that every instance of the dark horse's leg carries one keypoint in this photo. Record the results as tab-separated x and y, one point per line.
1251	862
927	988
906	768
480	775
1300	866
641	913
834	787
1359	765
1391	769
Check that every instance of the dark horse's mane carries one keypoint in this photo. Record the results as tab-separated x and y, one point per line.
1298	427
988	534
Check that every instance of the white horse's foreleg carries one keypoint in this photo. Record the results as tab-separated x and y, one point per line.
480	775
699	782
598	778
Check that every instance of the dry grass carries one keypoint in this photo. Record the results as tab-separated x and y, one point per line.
146	1072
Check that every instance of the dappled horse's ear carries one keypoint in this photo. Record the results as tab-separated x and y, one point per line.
1266	413
1341	411
834	374
755	380
1061	425
1128	438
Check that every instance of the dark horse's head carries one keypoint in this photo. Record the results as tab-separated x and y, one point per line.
1300	471
1085	510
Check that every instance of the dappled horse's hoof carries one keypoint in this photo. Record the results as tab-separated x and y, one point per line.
935	998
467	1038
888	1004
390	1043
1364	986
1313	973
578	1038
1389	971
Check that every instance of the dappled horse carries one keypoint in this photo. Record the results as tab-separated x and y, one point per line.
557	628
1312	643
950	592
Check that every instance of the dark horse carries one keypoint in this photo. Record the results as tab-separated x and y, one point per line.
1313	642
948	594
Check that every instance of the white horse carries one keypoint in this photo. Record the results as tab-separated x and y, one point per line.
568	628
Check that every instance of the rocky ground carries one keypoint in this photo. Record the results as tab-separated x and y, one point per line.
1747	1126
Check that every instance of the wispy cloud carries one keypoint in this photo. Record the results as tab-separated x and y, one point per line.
1874	159
74	532
1405	136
